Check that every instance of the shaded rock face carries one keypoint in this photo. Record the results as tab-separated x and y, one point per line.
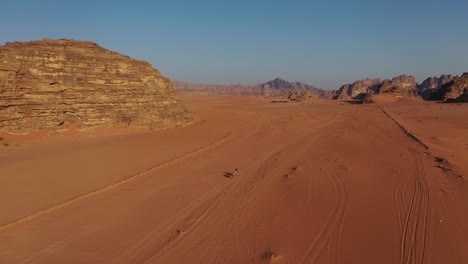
350	91
428	89
404	85
294	91
49	84
456	90
280	85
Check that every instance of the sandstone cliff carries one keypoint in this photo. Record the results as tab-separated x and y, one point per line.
456	90
429	88
48	84
403	85
350	91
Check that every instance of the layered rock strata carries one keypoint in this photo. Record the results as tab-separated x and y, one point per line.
49	84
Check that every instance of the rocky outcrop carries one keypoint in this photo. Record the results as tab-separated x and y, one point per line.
279	86
350	91
456	90
48	84
305	96
429	88
292	91
403	85
434	82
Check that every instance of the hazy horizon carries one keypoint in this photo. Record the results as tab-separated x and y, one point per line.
324	44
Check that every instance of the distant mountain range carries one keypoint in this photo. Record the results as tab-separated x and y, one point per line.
278	87
445	88
234	89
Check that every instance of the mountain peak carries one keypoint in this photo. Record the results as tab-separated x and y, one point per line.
281	84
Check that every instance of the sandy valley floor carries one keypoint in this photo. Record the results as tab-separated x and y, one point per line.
326	182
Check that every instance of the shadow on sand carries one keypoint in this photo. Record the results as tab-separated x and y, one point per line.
356	101
228	175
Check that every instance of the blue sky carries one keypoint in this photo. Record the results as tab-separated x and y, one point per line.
323	43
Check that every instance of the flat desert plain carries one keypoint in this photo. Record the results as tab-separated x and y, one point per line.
325	182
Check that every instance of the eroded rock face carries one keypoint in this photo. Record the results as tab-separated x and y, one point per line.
49	84
294	91
456	90
403	85
428	89
350	91
406	82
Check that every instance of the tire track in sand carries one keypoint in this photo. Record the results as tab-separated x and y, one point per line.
167	234
112	186
194	216
400	201
414	226
330	235
251	190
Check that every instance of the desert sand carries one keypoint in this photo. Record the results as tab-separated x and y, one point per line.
325	182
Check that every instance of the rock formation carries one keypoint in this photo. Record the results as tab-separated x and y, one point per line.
48	84
305	96
403	85
456	90
279	86
350	91
429	88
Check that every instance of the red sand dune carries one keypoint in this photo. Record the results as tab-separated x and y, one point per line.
326	182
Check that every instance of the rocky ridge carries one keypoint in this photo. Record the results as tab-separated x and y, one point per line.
403	85
349	91
400	86
456	90
277	88
49	84
428	89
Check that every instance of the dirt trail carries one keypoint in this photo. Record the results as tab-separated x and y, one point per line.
318	183
414	227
